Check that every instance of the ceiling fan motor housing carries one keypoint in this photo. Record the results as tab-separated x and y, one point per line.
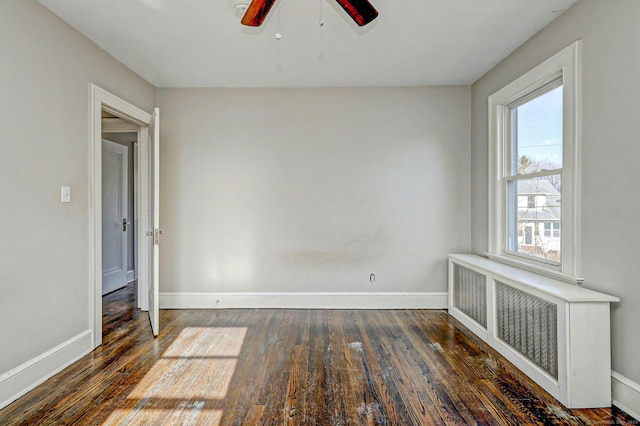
361	11
240	7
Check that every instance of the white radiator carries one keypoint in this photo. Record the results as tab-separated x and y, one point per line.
556	333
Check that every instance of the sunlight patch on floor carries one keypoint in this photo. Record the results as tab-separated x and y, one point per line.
177	416
207	341
188	383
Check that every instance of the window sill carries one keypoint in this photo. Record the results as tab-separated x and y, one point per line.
536	269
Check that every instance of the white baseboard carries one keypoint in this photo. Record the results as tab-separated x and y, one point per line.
303	300
23	378
113	280
625	394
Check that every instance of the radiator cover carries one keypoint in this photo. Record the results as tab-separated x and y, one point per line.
470	293
556	333
529	324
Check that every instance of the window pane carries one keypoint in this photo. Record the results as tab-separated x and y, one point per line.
533	211
538	133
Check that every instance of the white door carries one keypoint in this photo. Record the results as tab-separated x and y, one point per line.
114	215
154	220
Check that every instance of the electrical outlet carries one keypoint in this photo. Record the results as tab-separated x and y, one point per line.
372	278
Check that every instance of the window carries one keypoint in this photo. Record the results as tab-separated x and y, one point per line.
549	226
528	238
534	176
534	168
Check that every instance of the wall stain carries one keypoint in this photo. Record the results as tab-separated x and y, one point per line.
316	258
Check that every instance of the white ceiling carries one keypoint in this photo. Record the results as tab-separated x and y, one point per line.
201	43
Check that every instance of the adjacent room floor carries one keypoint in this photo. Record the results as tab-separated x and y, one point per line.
298	367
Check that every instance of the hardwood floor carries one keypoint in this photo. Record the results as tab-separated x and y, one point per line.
292	367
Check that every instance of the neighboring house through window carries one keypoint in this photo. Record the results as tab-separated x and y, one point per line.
534	168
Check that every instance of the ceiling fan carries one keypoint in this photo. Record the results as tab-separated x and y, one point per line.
361	11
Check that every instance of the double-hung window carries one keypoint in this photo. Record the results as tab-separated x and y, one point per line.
534	130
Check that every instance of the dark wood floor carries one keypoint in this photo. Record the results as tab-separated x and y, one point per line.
294	367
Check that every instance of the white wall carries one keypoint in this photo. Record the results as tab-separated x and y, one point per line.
610	153
311	190
45	69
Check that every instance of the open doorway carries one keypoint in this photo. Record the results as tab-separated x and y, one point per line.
113	113
120	299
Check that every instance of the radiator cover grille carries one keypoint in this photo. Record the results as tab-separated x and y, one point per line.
470	293
529	324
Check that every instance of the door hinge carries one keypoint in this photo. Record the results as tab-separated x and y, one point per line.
156	236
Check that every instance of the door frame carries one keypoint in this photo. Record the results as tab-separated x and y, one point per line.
99	100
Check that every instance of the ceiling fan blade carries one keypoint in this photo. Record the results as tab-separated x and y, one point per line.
257	12
361	11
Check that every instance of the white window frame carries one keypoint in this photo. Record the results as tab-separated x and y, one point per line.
565	65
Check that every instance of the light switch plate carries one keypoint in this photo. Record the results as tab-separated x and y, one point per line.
65	194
